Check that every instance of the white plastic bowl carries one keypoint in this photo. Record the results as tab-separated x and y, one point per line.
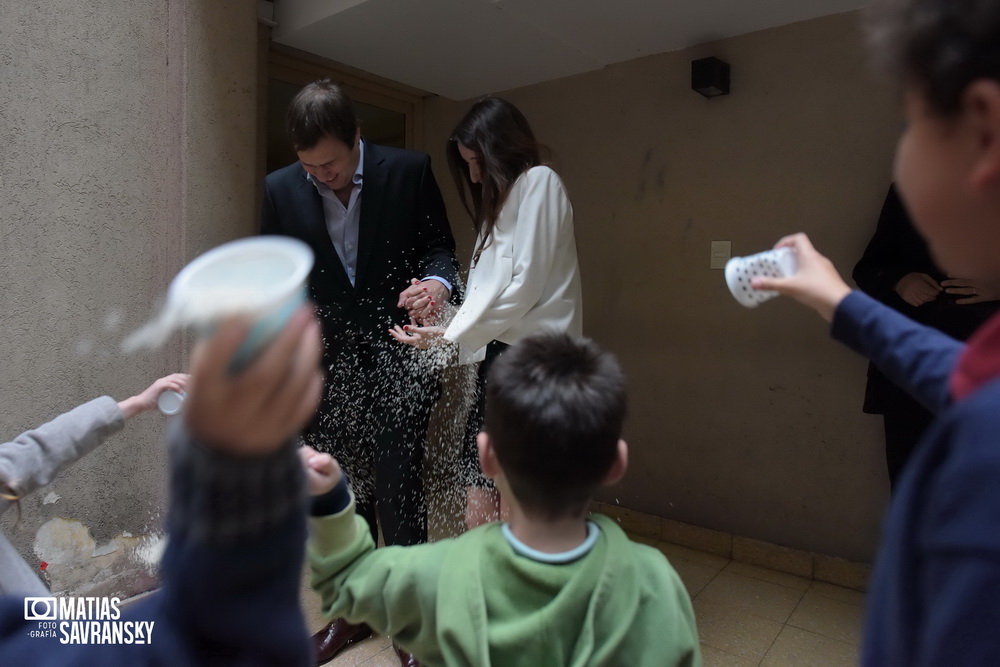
263	275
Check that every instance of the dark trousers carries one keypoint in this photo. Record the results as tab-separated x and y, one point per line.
471	470
373	419
904	421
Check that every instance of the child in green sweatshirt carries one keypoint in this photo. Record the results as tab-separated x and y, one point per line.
554	586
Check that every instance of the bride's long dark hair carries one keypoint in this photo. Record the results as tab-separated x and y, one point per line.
499	134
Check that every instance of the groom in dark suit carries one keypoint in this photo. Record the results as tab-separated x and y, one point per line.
376	221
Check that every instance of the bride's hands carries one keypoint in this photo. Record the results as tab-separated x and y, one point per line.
419	337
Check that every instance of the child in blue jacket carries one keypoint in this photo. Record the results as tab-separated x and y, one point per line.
935	590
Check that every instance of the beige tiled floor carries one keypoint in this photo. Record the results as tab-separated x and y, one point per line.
747	616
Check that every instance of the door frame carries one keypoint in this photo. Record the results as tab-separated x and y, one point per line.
300	67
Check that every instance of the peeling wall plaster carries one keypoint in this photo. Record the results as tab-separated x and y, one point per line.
78	565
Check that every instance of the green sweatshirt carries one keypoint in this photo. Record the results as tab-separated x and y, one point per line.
473	601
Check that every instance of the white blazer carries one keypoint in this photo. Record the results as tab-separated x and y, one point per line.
528	279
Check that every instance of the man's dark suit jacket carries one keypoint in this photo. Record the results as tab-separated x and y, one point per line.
378	397
404	234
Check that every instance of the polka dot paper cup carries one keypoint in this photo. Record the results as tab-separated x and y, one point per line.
740	271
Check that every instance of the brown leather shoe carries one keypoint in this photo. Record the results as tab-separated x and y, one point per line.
405	659
337	636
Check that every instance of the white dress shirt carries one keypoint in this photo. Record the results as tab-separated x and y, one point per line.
344	222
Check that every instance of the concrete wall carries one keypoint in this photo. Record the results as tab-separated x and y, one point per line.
127	133
743	421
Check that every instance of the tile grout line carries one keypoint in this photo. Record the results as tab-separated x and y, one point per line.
784	624
820	634
773	642
701	640
620	514
709	582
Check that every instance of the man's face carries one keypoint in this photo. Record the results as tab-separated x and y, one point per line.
331	162
935	160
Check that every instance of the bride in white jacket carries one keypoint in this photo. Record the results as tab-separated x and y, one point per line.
524	277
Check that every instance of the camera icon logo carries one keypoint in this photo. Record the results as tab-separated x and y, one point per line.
40	609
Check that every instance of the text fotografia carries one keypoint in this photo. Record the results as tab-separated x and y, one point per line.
85	620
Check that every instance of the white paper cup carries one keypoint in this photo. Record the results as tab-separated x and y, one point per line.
170	402
264	276
740	271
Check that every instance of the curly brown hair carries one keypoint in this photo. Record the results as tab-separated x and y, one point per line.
937	46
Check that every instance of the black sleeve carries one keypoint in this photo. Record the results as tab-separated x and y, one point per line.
893	251
333	501
437	244
268	214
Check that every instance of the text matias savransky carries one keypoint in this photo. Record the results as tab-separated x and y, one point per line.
85	620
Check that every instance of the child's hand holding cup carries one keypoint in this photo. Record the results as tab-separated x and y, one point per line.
247	301
812	279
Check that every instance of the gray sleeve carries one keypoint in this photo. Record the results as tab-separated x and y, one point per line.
32	459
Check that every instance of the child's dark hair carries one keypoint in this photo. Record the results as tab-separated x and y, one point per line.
555	406
937	46
321	108
500	136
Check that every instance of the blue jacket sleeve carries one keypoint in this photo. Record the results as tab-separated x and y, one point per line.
917	358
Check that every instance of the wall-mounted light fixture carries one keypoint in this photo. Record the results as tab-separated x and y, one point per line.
710	77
